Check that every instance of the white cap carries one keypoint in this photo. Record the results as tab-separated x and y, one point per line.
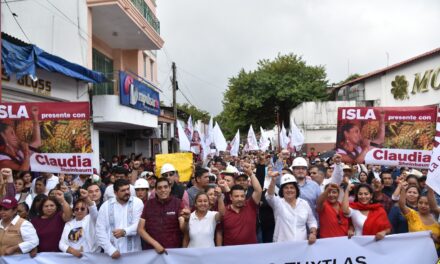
141	184
143	175
287	178
167	167
95	178
299	162
230	170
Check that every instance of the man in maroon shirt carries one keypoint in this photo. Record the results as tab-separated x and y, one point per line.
240	219
159	224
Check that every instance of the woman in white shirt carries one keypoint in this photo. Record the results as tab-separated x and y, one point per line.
79	233
292	214
202	222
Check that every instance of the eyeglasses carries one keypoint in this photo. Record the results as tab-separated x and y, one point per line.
82	209
168	174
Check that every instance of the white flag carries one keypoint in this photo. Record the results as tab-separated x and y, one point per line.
189	128
184	143
284	139
235	144
252	140
296	137
219	139
264	140
209	138
433	177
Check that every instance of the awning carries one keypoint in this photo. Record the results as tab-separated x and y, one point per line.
22	59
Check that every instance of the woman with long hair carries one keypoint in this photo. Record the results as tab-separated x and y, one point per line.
14	153
421	220
397	220
368	218
53	213
201	224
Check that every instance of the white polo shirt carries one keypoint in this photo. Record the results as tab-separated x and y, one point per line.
201	231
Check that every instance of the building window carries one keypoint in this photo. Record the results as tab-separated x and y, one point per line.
357	92
103	64
152	70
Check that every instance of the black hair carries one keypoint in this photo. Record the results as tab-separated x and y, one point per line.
200	194
200	171
80	201
162	179
340	136
119	183
41	179
288	169
280	191
120	170
45	199
235	188
363	185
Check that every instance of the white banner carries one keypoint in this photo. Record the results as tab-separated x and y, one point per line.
434	168
399	157
76	163
404	248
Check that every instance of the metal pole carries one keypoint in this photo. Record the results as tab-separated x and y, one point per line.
277	111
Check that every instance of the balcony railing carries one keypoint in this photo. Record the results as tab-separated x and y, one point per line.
146	12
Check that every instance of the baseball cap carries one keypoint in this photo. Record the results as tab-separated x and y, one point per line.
8	202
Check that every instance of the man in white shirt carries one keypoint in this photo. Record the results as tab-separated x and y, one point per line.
51	182
118	218
119	173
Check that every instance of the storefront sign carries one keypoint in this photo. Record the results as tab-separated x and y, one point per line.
138	95
393	136
422	83
46	137
40	86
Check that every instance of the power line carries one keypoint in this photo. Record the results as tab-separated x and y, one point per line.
180	90
199	78
14	15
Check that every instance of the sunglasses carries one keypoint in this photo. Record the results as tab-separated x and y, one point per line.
168	174
82	209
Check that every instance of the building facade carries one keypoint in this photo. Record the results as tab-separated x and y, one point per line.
108	36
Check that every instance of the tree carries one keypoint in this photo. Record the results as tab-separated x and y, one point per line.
284	82
194	112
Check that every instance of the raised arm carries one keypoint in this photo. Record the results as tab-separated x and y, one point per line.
67	211
345	203
432	202
256	195
402	199
338	172
323	196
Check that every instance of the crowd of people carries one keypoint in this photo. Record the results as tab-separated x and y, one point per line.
254	198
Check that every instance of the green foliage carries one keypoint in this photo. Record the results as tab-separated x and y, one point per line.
350	78
252	96
194	112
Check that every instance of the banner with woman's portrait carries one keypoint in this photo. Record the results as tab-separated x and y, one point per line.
393	136
46	137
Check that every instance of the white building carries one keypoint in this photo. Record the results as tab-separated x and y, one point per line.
413	82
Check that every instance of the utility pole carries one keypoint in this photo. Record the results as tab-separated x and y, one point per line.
174	83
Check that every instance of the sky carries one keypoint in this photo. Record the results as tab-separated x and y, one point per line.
211	41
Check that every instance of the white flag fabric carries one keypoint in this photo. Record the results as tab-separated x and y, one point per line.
433	177
296	137
184	144
189	128
209	138
219	139
264	140
252	140
284	139
235	144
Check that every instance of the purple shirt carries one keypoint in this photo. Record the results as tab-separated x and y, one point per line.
49	231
